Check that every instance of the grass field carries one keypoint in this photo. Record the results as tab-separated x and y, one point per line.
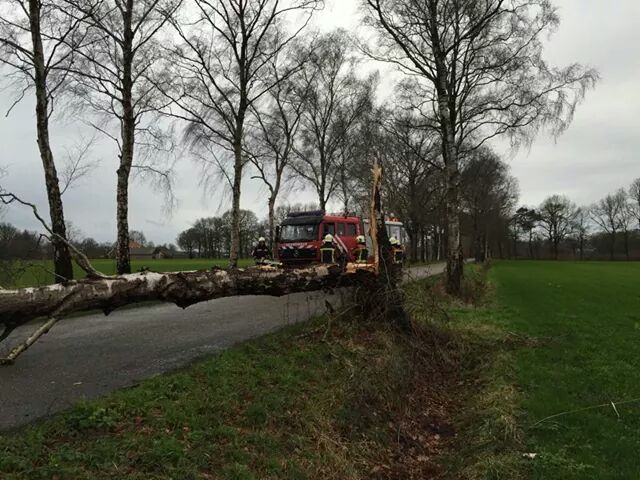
356	401
588	319
567	340
33	274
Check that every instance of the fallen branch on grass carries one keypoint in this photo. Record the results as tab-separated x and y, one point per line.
585	409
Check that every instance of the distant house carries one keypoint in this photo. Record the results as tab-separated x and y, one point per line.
142	253
138	252
149	253
161	252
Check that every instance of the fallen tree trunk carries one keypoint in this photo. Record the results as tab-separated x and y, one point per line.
18	307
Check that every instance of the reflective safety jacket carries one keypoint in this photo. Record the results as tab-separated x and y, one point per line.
261	252
360	254
398	255
327	253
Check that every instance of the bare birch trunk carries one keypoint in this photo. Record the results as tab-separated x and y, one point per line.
235	213
123	262
63	266
272	221
455	260
18	307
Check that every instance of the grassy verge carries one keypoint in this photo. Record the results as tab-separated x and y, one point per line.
36	273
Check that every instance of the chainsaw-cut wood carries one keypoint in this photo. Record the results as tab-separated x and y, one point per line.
18	307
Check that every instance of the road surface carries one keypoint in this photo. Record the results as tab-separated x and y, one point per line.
89	356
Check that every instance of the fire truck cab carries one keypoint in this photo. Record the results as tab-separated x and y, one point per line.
299	238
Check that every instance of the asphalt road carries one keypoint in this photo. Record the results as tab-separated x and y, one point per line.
89	356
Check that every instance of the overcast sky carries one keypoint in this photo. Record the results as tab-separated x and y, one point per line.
597	155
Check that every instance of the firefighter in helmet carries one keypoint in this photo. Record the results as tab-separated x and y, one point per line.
328	253
361	252
261	252
397	251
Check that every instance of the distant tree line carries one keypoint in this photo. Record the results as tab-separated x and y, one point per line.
558	228
16	244
211	237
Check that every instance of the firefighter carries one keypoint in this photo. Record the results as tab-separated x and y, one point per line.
397	250
261	252
328	250
361	253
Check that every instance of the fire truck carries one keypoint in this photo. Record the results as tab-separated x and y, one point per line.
300	236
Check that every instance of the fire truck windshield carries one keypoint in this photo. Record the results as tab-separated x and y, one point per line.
298	233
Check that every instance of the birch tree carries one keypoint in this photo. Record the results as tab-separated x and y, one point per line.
113	75
272	138
218	73
37	44
335	102
479	66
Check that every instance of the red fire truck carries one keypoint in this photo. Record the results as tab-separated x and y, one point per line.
300	236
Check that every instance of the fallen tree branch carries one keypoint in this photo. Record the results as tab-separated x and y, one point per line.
17	307
80	258
22	347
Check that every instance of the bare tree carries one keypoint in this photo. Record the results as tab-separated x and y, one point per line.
218	73
111	75
37	43
272	139
627	219
413	169
479	66
335	102
606	214
77	164
489	193
557	214
581	227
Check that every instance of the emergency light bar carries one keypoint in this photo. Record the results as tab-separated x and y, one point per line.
313	213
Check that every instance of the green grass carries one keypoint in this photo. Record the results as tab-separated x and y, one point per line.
558	337
37	273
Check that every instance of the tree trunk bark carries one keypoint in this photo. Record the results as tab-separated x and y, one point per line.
235	213
382	299
63	266
626	245
123	262
612	252
446	114
272	222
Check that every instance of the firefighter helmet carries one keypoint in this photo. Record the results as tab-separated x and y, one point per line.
394	241
328	238
261	240
360	239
